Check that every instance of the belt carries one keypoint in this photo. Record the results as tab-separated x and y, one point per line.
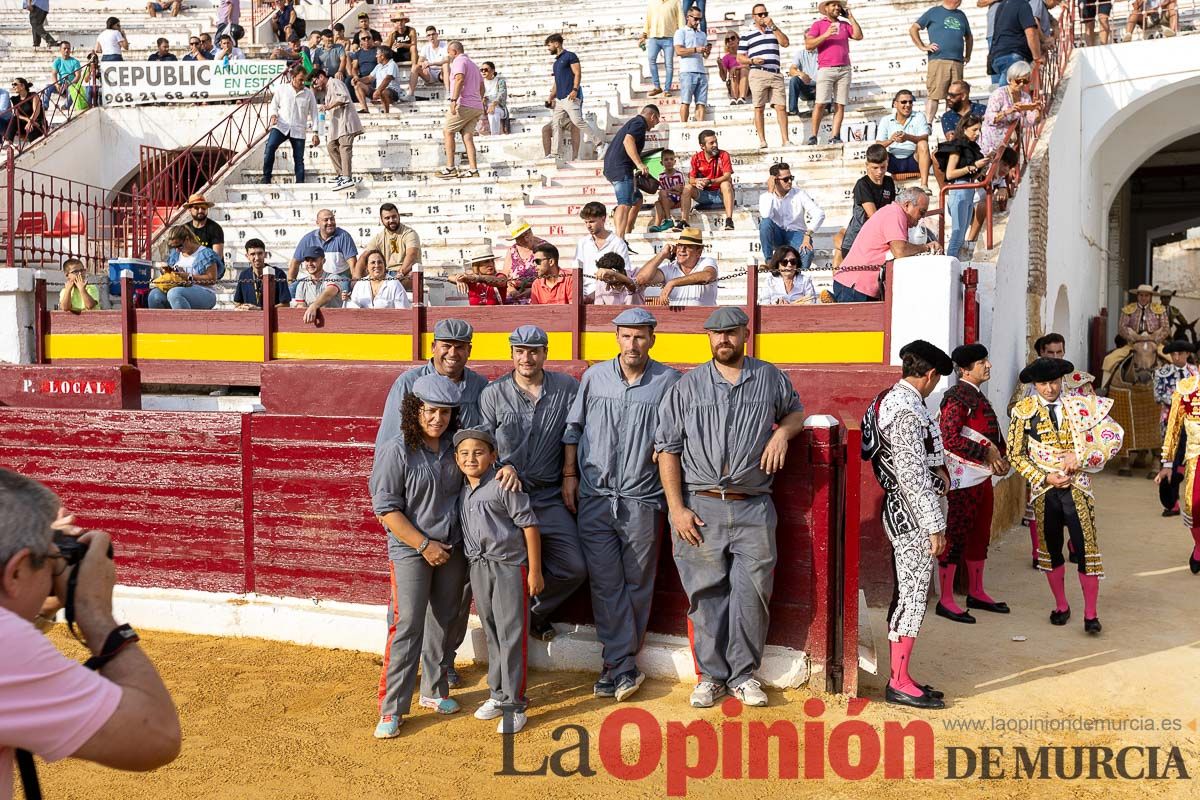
725	495
766	69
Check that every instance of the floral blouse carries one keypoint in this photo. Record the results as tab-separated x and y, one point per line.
997	119
521	269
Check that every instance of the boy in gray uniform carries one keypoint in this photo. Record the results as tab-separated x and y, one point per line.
716	456
526	411
500	537
610	435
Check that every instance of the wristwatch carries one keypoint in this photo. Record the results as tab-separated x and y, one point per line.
421	547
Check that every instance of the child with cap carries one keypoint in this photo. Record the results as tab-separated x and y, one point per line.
504	550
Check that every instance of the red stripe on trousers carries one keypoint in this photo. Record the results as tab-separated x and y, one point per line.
387	648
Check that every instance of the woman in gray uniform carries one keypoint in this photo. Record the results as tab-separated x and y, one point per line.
414	490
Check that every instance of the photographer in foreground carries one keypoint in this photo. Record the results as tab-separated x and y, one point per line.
120	715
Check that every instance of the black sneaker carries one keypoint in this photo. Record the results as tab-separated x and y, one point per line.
729	223
679	225
835	140
812	140
541	630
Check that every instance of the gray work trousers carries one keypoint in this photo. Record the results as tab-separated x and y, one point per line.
502	600
563	567
728	579
620	545
425	601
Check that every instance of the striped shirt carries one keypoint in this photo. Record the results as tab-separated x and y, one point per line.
761	44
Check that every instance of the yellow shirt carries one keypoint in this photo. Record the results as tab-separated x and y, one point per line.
663	18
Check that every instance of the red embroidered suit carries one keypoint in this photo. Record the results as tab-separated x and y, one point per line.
969	519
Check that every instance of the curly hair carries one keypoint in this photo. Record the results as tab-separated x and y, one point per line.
410	421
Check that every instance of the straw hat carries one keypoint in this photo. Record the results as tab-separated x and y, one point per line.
480	252
691	236
198	200
519	226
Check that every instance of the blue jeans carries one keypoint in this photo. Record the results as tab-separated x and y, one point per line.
113	57
687	4
771	236
1001	65
798	89
182	297
666	46
961	205
274	139
844	294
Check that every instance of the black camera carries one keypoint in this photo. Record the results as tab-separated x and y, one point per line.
72	549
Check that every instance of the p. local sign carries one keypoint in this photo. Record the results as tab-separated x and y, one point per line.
132	83
102	386
49	386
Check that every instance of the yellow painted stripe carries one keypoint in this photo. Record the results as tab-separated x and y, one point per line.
83	345
343	346
828	347
495	346
198	346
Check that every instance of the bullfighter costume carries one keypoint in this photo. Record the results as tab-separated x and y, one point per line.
1138	322
969	431
1166	378
904	446
1182	442
1044	438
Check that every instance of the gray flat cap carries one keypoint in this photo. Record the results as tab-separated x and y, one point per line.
529	336
437	390
635	317
453	330
473	433
726	317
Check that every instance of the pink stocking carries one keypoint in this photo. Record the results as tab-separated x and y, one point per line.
975	578
1091	592
901	655
1057	579
946	579
1196	541
1033	537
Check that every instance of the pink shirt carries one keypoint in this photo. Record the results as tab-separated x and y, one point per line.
834	51
472	88
49	704
871	248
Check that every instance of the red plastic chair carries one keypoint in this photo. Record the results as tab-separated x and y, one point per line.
31	223
68	223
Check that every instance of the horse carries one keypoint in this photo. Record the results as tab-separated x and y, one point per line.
1130	385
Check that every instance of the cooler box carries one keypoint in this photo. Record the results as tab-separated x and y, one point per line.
140	268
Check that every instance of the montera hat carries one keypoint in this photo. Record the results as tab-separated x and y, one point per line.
1044	370
931	354
967	354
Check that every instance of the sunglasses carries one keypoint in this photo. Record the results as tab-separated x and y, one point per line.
694	16
761	14
904	102
540	260
791	261
194	41
786	179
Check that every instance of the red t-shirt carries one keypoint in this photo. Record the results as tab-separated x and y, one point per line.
480	294
703	167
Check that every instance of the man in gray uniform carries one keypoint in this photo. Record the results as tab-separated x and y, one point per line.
716	455
610	435
526	410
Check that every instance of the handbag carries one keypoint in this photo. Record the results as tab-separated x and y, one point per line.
646	183
168	281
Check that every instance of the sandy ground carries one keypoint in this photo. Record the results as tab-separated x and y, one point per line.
263	720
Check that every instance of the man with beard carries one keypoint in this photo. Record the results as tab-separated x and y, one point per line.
209	232
400	244
612	481
527	410
717	455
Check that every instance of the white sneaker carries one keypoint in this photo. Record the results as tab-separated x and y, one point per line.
512	723
704	695
489	710
751	693
338	184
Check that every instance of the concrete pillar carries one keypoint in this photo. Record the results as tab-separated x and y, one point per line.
17	310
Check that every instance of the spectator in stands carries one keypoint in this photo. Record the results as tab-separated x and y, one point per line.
1151	12
735	75
162	51
207	231
786	284
28	117
38	10
566	99
1093	12
155	8
226	51
194	267
342	126
1010	103
283	21
361	64
432	65
787	215
623	161
466	109
378	289
318	289
364	26
873	191
883	236
292	111
949	48
339	37
482	284
688	5
552	286
195	51
759	49
206	44
830	37
382	85
966	164
520	268
692	46
331	57
111	41
340	253
688	277
663	19
958	102
598	241
495	96
802	80
403	40
6	112
905	132
77	294
400	244
67	70
229	13
614	287
1016	38
670	193
710	181
248	293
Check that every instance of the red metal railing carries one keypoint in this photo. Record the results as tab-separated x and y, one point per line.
53	115
262	9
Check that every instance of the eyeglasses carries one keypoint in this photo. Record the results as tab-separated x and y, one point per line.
78	272
955	95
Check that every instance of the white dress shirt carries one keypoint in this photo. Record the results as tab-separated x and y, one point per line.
795	211
392	295
296	111
776	293
587	254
